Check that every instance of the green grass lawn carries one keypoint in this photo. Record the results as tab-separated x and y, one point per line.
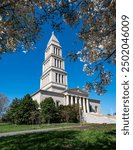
7	127
87	137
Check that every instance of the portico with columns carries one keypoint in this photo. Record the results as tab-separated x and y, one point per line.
53	82
77	96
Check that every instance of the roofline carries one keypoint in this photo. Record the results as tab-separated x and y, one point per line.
35	92
94	100
47	92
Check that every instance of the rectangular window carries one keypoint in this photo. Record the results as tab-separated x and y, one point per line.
60	64
62	79
55	63
56	51
78	100
59	78
95	109
90	107
57	103
56	77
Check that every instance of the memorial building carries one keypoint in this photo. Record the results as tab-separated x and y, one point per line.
53	82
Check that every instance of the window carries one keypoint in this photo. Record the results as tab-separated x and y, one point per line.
96	109
77	100
60	64
55	63
57	103
90	108
59	78
62	78
56	77
56	51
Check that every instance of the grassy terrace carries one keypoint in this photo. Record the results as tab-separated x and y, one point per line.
87	137
6	127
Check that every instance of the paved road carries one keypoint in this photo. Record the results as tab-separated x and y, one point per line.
34	131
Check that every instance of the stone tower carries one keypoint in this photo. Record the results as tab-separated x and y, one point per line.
54	77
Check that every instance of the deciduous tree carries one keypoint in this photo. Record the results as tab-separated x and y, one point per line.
95	20
3	104
69	113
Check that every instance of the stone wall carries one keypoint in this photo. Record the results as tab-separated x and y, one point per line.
98	118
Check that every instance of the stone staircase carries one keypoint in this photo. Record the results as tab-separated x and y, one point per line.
98	118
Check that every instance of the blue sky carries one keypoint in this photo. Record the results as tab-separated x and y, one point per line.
20	73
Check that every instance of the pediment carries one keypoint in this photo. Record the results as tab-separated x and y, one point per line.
77	91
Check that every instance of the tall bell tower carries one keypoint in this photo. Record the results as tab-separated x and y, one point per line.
54	76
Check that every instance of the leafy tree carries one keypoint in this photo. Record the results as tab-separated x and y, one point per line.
69	113
63	113
95	20
3	104
48	110
35	117
20	111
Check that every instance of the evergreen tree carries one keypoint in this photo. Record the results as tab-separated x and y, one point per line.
20	111
48	110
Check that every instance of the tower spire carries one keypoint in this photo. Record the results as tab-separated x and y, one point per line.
53	40
54	76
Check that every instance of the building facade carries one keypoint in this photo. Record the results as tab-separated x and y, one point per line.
53	82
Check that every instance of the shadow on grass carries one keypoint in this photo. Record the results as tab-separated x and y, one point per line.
59	140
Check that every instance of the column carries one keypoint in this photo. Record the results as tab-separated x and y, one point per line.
67	99
57	78
84	110
87	105
79	101
76	100
71	98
